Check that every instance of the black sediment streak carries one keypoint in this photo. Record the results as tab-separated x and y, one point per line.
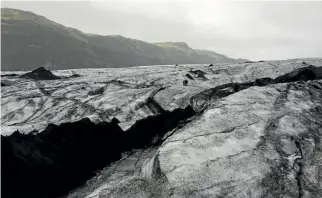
300	171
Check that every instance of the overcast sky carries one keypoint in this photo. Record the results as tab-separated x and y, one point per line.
253	30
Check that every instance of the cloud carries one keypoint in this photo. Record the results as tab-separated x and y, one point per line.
253	30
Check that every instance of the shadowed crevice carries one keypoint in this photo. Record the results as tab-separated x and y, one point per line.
61	158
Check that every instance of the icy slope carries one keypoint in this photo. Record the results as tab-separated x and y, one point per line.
261	141
28	105
242	130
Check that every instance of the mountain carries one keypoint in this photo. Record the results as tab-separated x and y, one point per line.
30	41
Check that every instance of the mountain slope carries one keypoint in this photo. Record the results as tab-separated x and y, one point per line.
30	40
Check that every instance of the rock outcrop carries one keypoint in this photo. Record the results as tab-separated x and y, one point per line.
40	74
189	76
199	74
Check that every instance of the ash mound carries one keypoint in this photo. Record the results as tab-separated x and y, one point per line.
40	74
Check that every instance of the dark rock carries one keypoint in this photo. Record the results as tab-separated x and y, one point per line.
189	76
97	91
9	75
202	77
211	65
75	76
197	72
40	74
185	82
302	74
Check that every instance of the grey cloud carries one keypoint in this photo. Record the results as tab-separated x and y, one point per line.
253	30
